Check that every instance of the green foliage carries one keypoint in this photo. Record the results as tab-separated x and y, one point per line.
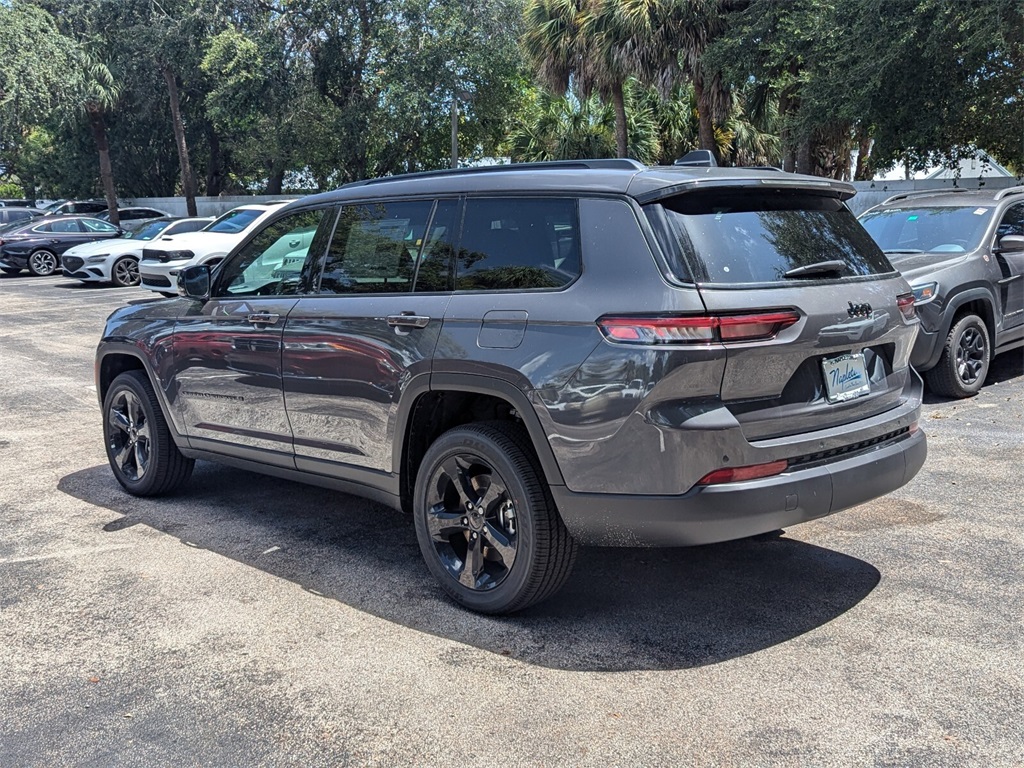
10	189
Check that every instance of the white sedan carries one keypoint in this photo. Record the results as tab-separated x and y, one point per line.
117	261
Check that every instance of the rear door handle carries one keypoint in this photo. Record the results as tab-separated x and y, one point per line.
408	320
263	318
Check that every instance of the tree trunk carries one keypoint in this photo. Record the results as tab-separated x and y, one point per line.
275	182
621	130
863	170
187	182
99	135
706	126
804	164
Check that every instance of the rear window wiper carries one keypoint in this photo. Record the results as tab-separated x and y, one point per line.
820	268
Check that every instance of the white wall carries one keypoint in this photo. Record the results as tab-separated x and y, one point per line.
205	206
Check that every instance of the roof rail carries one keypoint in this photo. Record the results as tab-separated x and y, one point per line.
923	193
608	164
1009	191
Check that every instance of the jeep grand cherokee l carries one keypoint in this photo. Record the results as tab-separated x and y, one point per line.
535	357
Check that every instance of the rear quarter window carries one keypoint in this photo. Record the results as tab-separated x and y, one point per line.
518	244
741	237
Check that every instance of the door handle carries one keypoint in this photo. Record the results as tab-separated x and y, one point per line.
263	318
408	320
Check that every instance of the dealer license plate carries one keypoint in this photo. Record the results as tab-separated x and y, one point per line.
845	378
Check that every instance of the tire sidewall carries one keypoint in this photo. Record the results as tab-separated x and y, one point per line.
461	442
971	321
39	252
144	485
113	272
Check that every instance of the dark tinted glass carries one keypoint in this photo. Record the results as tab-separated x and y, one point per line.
271	263
435	262
149	231
756	237
375	248
1012	222
939	229
517	243
235	221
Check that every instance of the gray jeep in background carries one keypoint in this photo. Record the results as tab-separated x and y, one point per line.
963	254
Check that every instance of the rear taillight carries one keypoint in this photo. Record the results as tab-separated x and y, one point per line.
735	474
699	329
905	301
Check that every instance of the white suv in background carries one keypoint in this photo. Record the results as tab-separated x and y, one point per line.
117	261
163	259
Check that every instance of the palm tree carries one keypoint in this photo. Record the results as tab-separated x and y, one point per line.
664	41
99	95
580	41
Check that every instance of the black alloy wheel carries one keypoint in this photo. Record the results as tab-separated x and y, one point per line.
125	272
964	363
485	521
140	448
43	262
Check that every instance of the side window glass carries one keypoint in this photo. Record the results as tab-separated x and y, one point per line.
95	225
375	248
518	243
434	273
68	225
1013	221
47	227
271	263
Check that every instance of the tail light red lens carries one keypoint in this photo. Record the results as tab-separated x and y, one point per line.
735	474
905	301
697	329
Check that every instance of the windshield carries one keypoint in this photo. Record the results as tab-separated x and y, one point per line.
234	221
942	229
148	231
731	237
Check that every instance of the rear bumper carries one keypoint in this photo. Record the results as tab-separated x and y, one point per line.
13	262
735	510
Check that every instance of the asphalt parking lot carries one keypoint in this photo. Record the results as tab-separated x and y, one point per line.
251	621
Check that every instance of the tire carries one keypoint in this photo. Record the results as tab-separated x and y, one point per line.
140	449
10	270
485	520
125	272
43	263
964	363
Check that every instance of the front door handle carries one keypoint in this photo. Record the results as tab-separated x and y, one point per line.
263	318
408	320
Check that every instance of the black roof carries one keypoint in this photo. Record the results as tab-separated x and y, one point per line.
618	177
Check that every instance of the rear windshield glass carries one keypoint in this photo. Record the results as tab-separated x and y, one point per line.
729	237
940	229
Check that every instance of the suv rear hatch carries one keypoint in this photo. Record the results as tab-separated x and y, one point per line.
791	249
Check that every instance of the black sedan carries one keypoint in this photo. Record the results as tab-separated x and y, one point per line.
37	245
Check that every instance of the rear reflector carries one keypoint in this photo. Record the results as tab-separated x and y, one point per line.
701	329
905	301
735	474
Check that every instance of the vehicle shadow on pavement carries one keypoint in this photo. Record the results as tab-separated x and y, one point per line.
621	610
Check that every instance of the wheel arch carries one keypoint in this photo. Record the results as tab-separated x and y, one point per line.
434	404
115	358
977	301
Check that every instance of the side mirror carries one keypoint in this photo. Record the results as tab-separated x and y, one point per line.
1011	244
194	282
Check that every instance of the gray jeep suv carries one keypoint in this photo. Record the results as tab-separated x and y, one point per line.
534	357
963	254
